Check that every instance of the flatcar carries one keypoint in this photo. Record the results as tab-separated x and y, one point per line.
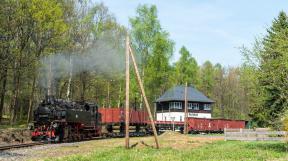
113	122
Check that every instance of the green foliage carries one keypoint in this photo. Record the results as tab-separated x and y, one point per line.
36	28
145	27
285	121
154	50
207	78
269	76
274	70
186	69
158	68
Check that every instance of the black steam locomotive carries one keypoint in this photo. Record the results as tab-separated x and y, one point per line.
57	120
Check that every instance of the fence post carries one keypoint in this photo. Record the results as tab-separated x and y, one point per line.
241	131
225	134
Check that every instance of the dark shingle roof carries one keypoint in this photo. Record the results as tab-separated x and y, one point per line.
177	94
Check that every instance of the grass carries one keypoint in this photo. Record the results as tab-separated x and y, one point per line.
16	126
215	151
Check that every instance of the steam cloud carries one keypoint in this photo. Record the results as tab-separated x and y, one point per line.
102	59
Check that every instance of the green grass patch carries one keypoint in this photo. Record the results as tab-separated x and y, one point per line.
216	151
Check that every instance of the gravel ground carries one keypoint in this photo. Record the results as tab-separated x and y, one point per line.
29	152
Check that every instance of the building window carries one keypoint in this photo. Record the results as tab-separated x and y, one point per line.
180	118
207	107
193	106
190	106
175	105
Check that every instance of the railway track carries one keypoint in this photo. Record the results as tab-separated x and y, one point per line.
14	146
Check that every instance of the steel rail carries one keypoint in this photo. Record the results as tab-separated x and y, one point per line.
13	146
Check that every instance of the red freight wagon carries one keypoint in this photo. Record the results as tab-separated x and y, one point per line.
138	117
213	125
117	115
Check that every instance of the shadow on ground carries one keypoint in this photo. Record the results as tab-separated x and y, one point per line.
273	146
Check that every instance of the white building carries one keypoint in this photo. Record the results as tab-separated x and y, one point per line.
171	106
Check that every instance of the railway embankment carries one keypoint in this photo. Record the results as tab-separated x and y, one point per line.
14	135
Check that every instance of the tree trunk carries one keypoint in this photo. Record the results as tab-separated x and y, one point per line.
31	99
70	79
3	92
14	106
17	76
119	96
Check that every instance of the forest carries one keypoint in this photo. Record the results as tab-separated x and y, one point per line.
78	47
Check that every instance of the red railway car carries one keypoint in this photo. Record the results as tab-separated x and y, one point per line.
117	115
213	125
196	125
113	121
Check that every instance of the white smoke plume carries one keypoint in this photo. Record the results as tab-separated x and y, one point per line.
102	58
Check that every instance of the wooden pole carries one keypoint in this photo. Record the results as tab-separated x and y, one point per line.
144	97
127	94
186	111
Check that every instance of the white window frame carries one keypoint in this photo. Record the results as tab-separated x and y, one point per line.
193	106
207	107
189	106
175	105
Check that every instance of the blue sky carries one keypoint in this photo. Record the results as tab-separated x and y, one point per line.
211	29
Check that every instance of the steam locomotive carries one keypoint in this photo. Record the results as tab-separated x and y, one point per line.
61	120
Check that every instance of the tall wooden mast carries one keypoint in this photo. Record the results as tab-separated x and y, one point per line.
144	97
127	94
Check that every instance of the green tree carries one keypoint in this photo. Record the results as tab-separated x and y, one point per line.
48	32
153	49
186	69
207	78
254	92
274	70
6	41
158	68
144	29
219	91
